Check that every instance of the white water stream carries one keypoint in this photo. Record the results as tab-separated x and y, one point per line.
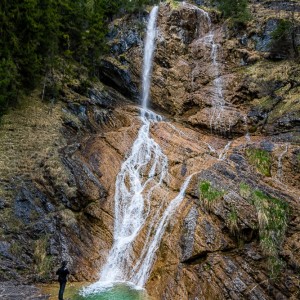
142	174
217	98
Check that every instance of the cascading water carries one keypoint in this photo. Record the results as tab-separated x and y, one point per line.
217	99
148	57
141	176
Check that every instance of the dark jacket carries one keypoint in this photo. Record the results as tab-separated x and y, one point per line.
62	273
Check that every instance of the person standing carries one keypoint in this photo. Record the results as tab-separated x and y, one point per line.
62	273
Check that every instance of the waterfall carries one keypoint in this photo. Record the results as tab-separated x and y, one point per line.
217	100
139	220
148	56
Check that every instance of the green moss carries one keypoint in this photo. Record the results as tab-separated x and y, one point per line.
261	159
208	194
173	3
245	190
272	218
267	103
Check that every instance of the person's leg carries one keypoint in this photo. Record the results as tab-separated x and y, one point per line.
62	286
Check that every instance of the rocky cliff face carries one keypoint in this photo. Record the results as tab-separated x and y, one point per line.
231	117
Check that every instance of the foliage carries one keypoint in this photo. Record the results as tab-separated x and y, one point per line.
261	159
281	45
237	10
208	194
272	219
272	216
35	32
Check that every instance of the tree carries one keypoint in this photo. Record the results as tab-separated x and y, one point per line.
235	9
35	32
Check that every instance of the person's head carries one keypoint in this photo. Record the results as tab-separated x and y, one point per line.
64	263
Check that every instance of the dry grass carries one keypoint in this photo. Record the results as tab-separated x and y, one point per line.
30	137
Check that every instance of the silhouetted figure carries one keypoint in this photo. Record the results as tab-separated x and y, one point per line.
62	273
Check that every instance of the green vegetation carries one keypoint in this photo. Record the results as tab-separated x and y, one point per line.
237	10
283	43
208	194
272	220
173	3
43	262
245	190
261	159
34	33
272	214
283	27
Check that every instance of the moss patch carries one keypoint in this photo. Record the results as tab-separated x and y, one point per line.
261	159
245	190
174	4
208	194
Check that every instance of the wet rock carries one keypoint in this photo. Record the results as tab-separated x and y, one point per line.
107	97
263	41
29	202
127	40
209	233
266	145
2	203
86	182
187	239
14	291
119	78
4	249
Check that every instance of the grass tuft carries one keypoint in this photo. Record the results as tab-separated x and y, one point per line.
43	261
233	221
245	190
209	195
261	159
272	220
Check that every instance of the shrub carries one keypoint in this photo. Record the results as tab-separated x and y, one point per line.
281	44
235	9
